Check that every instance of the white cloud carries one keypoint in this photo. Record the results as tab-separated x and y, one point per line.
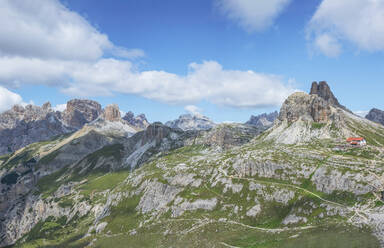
55	46
206	81
8	99
252	15
60	107
328	45
192	109
47	29
360	22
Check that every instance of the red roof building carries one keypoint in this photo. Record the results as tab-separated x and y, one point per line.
357	141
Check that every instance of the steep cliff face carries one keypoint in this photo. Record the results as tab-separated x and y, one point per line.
79	112
376	115
22	126
139	121
323	90
112	113
301	106
304	117
191	122
264	120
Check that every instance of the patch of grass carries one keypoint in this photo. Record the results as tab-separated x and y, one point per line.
48	184
124	216
316	125
66	202
107	181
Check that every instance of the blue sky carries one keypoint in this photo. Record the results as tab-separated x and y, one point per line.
228	58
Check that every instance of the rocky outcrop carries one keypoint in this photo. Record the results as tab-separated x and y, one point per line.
228	135
264	120
112	113
155	139
191	122
323	90
139	121
304	117
22	126
80	112
376	115
306	107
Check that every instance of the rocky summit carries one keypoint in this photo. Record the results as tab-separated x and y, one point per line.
21	126
295	184
323	90
79	112
191	122
376	115
139	121
264	120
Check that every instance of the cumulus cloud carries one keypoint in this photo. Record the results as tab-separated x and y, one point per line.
8	99
252	15
205	81
47	29
359	22
192	109
43	42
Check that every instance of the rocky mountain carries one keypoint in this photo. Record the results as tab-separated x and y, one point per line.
323	90
376	115
264	120
191	122
79	112
295	185
139	121
21	126
304	117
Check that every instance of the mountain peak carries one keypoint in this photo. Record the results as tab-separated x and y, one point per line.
112	113
376	115
323	90
301	106
191	122
263	120
78	112
139	121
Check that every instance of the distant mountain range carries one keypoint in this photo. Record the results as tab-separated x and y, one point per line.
21	126
113	181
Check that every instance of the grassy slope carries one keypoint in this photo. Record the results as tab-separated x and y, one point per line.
329	232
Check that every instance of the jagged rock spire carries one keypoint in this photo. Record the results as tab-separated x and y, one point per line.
323	90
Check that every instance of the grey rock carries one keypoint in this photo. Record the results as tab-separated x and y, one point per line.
79	112
263	120
139	121
191	122
323	90
376	115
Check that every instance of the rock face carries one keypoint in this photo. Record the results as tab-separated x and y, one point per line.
191	122
376	115
264	120
156	138
228	135
80	112
139	121
323	90
112	113
300	105
21	126
304	117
